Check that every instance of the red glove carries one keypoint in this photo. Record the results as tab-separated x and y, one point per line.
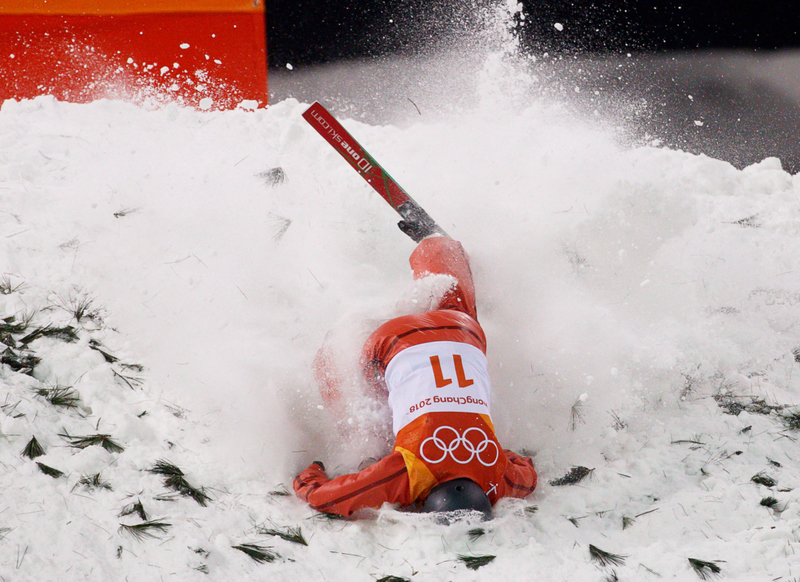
310	479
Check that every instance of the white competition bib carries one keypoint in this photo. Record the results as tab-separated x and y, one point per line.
437	377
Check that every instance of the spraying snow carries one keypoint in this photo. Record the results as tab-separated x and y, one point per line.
633	299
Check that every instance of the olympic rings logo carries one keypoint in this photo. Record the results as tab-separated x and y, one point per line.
458	441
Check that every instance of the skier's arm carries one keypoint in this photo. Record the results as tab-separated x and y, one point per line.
519	479
383	482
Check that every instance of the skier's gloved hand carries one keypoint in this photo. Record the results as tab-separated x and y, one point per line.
416	223
310	479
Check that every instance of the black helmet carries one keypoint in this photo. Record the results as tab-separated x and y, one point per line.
458	495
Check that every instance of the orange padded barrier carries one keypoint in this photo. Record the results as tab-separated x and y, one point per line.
127	7
209	54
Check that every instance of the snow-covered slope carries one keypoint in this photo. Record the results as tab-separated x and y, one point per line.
633	299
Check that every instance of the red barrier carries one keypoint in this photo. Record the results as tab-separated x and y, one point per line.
209	54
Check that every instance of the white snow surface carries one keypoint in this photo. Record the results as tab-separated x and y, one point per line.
621	289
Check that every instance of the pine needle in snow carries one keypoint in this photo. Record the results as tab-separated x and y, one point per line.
93	482
292	534
748	222
144	530
33	449
605	558
770	502
258	553
475	562
98	347
174	479
102	440
763	479
163	467
66	334
50	471
476	533
392	579
136	508
273	176
281	491
79	305
61	396
704	569
21	362
577	413
7	286
280	225
575	475
791	420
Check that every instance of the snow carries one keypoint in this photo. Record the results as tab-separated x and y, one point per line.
626	293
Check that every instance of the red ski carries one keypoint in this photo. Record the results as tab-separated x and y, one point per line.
363	163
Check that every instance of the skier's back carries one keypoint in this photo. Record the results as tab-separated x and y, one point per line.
432	368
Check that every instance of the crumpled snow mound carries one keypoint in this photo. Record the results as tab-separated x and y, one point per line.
640	306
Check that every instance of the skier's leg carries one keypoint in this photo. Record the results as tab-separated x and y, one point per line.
439	255
328	378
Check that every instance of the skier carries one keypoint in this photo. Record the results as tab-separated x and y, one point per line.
432	367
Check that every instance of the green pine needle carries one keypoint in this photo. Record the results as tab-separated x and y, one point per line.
79	305
577	414
131	381
292	534
476	533
704	569
136	508
791	420
10	326
163	467
392	579
273	176
763	479
144	530
575	475
258	553
50	471
7	286
21	362
67	334
102	440
92	482
182	486
475	562
33	449
61	396
605	558
98	347
174	479
770	502
627	522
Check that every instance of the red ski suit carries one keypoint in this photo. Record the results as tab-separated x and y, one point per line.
432	366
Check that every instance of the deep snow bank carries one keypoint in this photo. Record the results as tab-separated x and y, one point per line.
636	283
